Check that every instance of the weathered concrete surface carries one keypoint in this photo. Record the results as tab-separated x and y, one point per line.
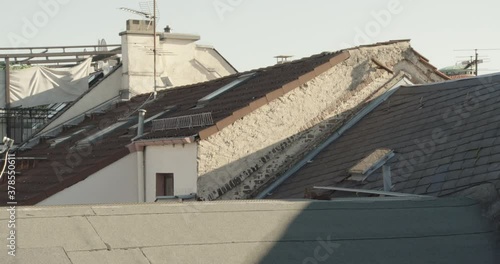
247	232
53	232
109	257
41	255
246	155
488	196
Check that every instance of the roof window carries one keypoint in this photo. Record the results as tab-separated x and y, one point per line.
203	101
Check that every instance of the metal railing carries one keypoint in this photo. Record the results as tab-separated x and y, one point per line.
190	121
20	124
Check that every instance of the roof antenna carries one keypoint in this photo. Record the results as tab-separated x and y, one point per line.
150	11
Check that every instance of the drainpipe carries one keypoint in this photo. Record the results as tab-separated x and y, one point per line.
141	179
140	176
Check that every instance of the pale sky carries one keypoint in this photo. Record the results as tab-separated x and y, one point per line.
249	33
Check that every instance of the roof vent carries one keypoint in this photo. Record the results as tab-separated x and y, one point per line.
140	123
370	164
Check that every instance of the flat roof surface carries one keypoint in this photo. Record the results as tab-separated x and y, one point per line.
382	230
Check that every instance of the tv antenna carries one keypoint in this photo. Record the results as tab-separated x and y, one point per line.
475	61
150	11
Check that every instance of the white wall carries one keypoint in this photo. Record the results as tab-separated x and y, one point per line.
116	183
208	56
179	58
177	159
108	89
138	63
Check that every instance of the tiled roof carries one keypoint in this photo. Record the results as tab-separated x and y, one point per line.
38	180
446	138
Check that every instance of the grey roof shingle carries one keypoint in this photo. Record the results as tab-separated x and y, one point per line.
446	137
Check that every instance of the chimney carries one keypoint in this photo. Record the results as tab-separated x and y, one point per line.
140	124
280	59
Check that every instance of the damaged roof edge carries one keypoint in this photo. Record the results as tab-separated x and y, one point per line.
360	115
252	106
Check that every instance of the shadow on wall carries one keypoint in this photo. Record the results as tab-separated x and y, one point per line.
248	175
241	179
359	73
385	231
203	70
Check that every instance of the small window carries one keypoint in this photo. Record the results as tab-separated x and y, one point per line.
103	132
164	184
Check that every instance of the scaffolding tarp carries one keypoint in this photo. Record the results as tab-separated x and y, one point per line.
41	85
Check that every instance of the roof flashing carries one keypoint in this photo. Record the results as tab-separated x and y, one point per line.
103	132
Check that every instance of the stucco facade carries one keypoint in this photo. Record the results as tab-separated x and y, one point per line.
252	151
119	182
180	160
180	61
116	183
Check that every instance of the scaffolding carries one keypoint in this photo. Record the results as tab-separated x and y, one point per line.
20	123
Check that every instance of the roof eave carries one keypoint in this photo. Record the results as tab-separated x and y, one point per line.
138	146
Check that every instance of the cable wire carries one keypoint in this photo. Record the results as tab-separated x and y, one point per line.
5	163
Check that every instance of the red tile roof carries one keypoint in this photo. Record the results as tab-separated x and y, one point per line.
66	166
38	182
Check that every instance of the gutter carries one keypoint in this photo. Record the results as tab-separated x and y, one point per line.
365	111
140	145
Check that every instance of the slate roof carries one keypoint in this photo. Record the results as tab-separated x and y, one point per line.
62	166
446	138
381	230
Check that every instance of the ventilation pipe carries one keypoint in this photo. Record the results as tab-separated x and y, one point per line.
386	171
140	125
141	175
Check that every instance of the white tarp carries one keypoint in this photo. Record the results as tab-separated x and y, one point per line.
41	86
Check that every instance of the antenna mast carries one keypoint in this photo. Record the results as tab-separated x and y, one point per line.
154	49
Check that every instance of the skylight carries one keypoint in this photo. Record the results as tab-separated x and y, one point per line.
60	140
102	133
370	164
203	101
56	108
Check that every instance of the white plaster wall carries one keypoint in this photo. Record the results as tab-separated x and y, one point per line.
186	63
177	159
108	89
116	183
245	146
179	58
208	56
138	66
